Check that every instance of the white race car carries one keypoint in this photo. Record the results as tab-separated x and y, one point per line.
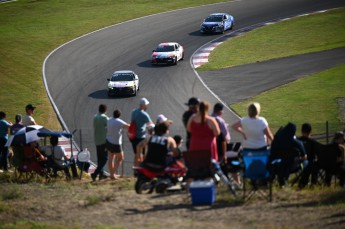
123	82
167	53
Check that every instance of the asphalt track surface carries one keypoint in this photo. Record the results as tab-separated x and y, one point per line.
76	72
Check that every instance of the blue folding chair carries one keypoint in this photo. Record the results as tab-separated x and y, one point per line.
255	170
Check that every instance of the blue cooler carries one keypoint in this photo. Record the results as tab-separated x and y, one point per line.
202	192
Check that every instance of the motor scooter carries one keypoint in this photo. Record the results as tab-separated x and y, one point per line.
158	181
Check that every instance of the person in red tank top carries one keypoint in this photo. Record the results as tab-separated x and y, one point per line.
204	130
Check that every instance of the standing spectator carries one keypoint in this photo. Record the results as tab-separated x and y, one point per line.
254	129
193	106
141	119
4	126
224	137
17	125
28	119
100	121
114	143
204	130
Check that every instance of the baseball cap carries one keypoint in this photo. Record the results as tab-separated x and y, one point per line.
161	118
144	101
30	107
193	101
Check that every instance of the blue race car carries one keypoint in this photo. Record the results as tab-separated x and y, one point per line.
217	23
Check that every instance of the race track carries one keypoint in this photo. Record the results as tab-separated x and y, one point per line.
76	72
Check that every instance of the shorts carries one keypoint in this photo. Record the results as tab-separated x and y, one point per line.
135	142
113	148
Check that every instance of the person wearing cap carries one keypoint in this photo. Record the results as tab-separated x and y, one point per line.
141	119
161	118
17	125
193	104
28	119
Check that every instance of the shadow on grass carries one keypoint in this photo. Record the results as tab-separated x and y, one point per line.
221	202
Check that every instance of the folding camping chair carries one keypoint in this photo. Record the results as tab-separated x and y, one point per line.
256	171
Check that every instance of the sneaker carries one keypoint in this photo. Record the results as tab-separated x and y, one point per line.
93	176
102	177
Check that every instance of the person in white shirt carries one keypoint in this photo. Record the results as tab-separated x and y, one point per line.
113	143
254	129
28	119
58	156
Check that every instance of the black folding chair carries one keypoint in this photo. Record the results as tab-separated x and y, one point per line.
198	164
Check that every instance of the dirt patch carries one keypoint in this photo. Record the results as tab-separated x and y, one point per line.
84	204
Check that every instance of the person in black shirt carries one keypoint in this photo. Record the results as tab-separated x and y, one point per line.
193	106
160	146
311	147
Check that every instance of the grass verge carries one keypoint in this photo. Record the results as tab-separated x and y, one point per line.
313	99
30	29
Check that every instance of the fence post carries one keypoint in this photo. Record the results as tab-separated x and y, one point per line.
327	132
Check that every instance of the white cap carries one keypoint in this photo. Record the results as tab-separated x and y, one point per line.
144	101
161	118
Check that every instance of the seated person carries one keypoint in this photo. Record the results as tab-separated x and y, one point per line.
339	138
160	145
290	150
57	155
179	141
33	159
311	147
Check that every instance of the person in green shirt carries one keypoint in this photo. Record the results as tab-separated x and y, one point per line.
100	132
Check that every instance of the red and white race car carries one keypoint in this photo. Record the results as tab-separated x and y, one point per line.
167	53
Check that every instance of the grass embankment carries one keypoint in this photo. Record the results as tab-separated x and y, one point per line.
30	30
313	99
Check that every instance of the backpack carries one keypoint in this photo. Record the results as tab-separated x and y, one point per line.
132	131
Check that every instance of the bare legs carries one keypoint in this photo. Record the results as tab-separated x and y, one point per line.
114	162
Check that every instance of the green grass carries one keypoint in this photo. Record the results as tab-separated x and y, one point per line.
300	35
31	29
312	99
